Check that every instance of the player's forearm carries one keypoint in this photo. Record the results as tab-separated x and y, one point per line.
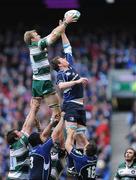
29	122
56	33
46	133
37	124
65	85
30	119
68	146
64	39
58	129
69	140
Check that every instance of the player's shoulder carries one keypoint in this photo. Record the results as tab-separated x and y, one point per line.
91	160
60	72
75	151
134	164
122	165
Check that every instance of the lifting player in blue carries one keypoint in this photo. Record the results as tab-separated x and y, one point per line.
85	163
40	155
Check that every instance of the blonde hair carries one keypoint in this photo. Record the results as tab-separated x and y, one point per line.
28	36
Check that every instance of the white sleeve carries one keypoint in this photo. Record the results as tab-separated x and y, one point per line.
67	48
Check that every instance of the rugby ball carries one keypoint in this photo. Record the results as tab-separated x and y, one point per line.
76	14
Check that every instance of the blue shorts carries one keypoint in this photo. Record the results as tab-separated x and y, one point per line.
74	113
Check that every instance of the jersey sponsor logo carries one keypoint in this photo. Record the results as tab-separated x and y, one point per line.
127	171
68	73
71	118
133	171
78	152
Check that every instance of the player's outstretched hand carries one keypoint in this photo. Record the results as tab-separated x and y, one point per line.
70	19
35	102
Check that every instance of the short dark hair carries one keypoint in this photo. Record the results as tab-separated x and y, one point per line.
34	139
54	63
11	137
91	148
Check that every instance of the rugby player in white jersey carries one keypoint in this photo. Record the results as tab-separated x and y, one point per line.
42	85
18	144
127	169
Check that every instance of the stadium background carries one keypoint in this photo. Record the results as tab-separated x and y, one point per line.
103	40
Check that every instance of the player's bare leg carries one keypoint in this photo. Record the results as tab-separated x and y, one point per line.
81	139
53	102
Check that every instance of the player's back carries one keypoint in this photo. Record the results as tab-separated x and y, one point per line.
39	62
88	172
19	159
39	169
85	165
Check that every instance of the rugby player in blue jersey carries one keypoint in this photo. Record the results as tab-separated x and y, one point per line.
85	163
72	85
40	157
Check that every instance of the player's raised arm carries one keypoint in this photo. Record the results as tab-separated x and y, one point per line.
57	130
47	131
37	124
66	46
56	33
64	37
29	122
70	140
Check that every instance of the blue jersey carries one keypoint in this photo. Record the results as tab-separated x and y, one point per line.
85	166
76	91
40	161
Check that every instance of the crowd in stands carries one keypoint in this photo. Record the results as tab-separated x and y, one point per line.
131	121
95	53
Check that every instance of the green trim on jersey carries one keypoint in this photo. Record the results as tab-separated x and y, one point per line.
33	44
43	71
43	44
41	88
23	140
39	60
126	173
40	56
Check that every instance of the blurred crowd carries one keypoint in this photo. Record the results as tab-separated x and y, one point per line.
95	53
131	121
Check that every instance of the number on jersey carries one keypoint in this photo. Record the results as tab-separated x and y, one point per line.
91	171
31	162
